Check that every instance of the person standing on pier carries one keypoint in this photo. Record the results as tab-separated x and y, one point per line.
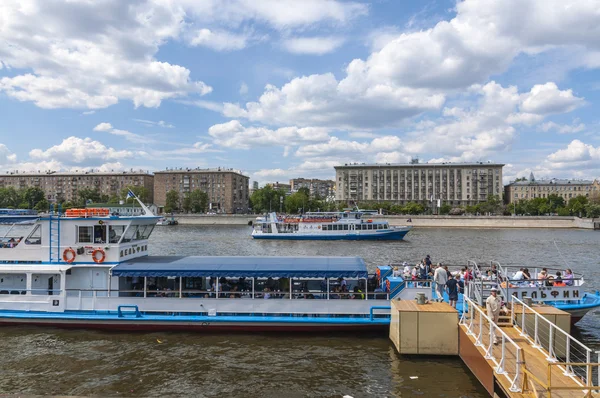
440	277
492	305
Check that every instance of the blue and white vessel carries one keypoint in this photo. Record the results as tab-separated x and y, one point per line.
347	225
17	216
89	269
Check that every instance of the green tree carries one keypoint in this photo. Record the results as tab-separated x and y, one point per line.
172	204
33	195
267	199
296	202
592	210
445	209
9	198
493	205
85	194
42	205
577	205
413	208
198	201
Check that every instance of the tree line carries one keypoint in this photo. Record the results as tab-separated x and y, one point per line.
195	201
35	198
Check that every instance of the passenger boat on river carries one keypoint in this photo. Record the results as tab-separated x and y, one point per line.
92	270
347	225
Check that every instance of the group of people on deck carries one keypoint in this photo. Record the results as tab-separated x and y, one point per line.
524	278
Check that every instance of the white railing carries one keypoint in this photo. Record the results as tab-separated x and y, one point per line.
498	346
558	345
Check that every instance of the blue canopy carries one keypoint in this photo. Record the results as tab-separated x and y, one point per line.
250	267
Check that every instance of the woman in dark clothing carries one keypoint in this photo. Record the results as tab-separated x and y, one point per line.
452	289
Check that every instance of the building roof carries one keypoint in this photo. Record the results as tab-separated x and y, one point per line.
416	165
200	171
76	174
256	267
554	181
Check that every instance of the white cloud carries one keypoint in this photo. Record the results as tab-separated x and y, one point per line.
220	40
563	128
150	123
6	156
337	147
92	54
87	113
323	100
280	14
80	151
576	152
234	135
243	89
415	71
103	127
312	45
545	99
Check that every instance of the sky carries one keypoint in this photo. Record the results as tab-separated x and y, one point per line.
283	89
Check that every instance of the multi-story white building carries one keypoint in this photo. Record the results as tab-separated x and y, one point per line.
318	188
453	183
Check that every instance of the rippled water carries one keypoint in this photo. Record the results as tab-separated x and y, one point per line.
78	362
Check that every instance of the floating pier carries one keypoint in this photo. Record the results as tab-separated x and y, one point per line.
529	353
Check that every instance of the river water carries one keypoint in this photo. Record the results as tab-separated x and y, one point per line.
38	361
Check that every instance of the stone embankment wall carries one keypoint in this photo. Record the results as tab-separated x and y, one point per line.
421	221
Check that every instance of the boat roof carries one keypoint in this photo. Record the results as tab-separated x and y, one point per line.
251	267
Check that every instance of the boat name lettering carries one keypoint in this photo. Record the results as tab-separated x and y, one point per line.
548	293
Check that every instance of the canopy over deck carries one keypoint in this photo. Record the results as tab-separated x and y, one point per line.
250	267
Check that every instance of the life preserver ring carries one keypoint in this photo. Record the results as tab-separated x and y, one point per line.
102	256
69	259
319	227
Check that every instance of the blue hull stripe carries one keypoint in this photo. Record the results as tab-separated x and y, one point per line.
73	316
395	235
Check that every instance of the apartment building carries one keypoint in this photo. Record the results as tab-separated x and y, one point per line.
63	186
565	188
318	188
456	184
227	189
279	185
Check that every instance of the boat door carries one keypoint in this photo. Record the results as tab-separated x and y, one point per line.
50	286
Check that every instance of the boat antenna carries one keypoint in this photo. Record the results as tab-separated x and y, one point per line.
559	252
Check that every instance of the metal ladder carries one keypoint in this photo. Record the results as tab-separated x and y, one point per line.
54	234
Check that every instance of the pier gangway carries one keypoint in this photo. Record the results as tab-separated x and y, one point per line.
531	356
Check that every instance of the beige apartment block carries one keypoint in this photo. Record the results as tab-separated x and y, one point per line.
456	184
567	189
317	188
64	186
227	189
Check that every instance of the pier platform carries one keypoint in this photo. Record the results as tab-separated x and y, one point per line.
530	355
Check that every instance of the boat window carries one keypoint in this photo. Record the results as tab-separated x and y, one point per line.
364	226
345	227
35	237
99	233
370	226
84	234
335	227
148	231
115	233
330	227
130	233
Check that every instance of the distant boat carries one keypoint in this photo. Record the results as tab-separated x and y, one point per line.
346	225
17	216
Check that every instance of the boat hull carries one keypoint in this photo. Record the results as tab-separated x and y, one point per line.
195	323
383	235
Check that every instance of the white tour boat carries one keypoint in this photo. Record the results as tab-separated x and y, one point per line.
347	225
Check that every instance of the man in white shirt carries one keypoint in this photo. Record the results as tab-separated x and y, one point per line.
440	277
493	305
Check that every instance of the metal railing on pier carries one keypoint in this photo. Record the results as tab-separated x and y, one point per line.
506	355
574	358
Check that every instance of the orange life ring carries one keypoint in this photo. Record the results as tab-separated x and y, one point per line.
68	259
102	256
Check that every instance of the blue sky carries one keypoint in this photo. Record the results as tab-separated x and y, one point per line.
283	89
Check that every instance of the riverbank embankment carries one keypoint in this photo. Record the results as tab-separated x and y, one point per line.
423	221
